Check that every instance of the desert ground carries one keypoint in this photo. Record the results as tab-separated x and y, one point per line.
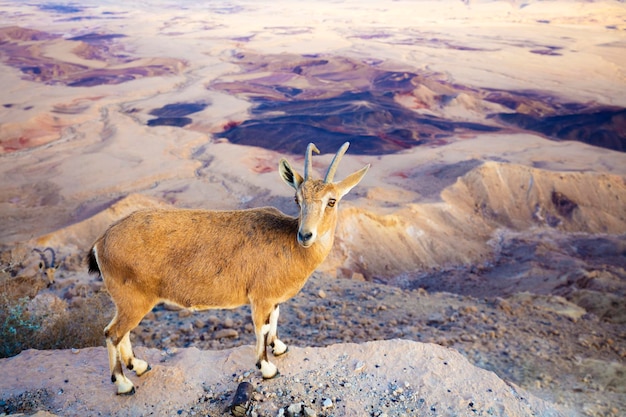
478	269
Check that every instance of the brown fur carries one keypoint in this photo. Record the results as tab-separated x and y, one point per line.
232	260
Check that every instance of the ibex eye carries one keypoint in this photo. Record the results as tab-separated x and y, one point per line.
332	202
296	200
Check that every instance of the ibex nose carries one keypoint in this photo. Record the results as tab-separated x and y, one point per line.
305	238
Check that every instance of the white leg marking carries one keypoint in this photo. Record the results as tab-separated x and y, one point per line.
268	369
137	365
279	348
273	324
265	329
260	345
112	355
140	366
124	385
126	350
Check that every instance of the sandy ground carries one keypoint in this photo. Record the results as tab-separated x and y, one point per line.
491	222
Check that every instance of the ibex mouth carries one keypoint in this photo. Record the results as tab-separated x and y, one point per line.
305	239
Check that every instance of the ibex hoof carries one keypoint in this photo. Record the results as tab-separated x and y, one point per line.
141	367
131	392
268	370
279	348
125	387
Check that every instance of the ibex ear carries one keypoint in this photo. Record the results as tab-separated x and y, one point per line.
291	177
344	186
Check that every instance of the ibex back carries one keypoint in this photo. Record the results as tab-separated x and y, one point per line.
201	259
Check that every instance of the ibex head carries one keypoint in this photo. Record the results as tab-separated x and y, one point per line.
318	199
47	266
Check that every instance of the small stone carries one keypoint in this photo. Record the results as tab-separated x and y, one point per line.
357	276
241	399
327	403
435	319
184	313
187	328
469	310
226	333
294	409
468	337
321	294
229	322
307	412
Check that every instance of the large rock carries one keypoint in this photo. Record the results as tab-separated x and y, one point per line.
396	377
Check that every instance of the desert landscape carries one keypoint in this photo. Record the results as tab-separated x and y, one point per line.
478	269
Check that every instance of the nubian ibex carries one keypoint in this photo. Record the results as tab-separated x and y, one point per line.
202	259
47	268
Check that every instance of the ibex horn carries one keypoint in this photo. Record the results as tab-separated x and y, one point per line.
335	162
308	163
53	257
42	255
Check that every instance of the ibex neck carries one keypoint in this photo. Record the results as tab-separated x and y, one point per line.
314	255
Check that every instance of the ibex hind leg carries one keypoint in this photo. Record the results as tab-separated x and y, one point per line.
123	384
119	348
128	357
278	347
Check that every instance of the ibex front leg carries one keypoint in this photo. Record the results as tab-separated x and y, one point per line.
128	357
278	347
261	317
